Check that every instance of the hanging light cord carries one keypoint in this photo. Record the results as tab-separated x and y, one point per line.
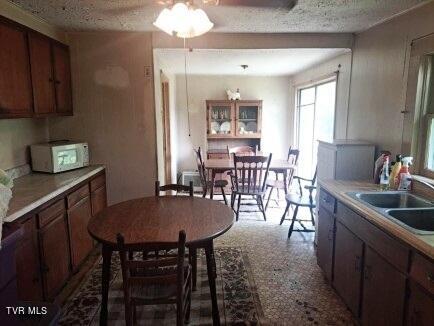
186	88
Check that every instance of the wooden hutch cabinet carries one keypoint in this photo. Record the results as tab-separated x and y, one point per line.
234	119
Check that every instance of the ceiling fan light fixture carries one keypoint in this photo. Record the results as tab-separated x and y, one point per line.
184	21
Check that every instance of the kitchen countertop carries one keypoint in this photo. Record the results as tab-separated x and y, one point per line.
33	190
339	188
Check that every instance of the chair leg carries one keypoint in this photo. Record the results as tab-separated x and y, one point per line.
269	196
204	194
238	207
291	227
187	313
284	213
312	216
211	194
232	200
261	207
193	262
224	195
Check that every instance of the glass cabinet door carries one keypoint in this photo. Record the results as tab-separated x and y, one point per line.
220	120
248	117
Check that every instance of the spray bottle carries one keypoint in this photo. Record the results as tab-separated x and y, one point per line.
384	177
404	175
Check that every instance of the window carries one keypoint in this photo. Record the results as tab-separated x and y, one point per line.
315	121
425	117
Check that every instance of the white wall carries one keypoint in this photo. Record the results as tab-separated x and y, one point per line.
379	77
311	75
274	91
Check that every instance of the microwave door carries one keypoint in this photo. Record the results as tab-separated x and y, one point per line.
66	159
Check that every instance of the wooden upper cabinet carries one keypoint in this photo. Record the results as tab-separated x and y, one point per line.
42	74
234	119
62	80
248	119
15	82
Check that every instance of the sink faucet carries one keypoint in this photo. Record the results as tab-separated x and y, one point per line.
429	185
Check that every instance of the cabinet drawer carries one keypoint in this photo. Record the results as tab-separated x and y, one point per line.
49	213
327	201
76	196
97	182
422	271
392	250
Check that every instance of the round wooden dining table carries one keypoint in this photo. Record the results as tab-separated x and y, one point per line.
156	220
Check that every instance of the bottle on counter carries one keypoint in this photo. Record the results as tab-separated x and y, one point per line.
393	182
404	174
384	177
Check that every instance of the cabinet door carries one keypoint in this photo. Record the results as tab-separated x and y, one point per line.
248	119
54	255
15	83
325	241
420	307
347	273
29	281
220	119
42	74
99	200
81	242
383	292
62	78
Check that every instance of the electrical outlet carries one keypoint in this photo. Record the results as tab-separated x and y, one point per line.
148	71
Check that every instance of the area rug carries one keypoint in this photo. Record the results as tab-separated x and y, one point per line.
236	291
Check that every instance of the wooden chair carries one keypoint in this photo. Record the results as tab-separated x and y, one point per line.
158	281
301	200
207	185
174	187
249	179
242	151
284	184
192	252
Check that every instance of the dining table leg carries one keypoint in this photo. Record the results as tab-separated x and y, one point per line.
212	275
213	174
105	283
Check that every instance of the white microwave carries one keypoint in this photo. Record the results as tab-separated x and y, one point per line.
59	156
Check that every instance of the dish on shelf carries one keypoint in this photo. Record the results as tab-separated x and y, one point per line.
225	127
252	127
215	127
241	127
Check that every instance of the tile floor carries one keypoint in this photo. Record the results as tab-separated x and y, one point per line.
291	287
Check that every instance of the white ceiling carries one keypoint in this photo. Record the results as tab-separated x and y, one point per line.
138	15
275	62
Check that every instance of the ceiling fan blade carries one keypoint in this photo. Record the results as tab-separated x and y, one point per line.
283	4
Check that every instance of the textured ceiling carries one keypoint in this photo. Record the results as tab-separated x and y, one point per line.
276	62
138	15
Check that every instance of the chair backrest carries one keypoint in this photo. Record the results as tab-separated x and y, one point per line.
173	187
250	173
242	151
201	168
155	271
293	155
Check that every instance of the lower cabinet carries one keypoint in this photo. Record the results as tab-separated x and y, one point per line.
420	306
348	267
326	225
383	292
27	260
54	247
81	242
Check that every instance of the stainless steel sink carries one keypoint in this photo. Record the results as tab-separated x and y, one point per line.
393	200
419	221
413	213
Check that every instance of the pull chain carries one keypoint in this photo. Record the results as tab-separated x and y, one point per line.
186	88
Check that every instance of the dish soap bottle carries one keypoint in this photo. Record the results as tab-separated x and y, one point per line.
384	177
404	174
393	182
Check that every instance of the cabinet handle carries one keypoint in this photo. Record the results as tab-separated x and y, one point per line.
45	269
57	81
357	264
430	277
50	80
35	279
367	273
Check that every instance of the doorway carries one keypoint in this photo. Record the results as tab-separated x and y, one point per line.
166	133
315	121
